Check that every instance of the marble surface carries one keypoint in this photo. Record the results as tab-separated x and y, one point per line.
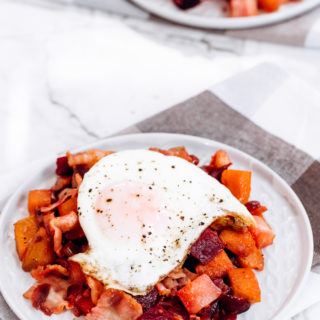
70	76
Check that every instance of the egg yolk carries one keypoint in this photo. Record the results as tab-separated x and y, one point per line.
132	211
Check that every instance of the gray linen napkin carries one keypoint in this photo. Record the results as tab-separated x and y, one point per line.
300	31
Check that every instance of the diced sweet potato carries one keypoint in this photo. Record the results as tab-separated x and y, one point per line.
198	294
68	206
269	5
38	199
39	252
254	260
245	284
262	233
218	267
240	243
238	182
220	159
24	230
207	246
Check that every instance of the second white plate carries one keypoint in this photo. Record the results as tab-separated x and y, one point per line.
211	14
287	262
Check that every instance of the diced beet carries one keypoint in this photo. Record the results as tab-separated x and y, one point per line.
81	169
174	305
191	263
252	205
221	285
186	4
158	313
211	312
195	160
149	300
63	169
207	246
233	258
215	172
231	316
231	304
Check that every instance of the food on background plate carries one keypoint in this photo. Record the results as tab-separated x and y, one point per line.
240	8
140	234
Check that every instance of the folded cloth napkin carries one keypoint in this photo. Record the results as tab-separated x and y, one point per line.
301	31
272	116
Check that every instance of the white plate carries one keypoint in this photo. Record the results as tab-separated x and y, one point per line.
210	13
287	262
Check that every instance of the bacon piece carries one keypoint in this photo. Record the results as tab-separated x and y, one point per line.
59	225
61	183
115	305
89	157
49	295
76	180
180	152
174	281
96	288
42	271
64	195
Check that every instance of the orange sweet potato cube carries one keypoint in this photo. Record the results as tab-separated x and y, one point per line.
39	252
240	243
254	260
238	182
262	232
68	206
245	284
24	231
38	199
220	159
217	267
198	294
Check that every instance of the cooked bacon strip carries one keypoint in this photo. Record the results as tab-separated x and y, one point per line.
49	295
61	183
42	271
96	288
59	225
89	157
115	305
180	152
76	180
163	291
64	195
174	281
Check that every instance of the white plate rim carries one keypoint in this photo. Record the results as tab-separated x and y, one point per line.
182	17
283	312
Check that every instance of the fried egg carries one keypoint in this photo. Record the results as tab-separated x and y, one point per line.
141	212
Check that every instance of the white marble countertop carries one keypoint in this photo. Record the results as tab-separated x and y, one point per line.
60	67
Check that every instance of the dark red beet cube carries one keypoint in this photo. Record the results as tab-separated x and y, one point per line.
149	300
231	316
158	313
221	285
211	312
174	305
215	172
207	246
231	304
186	4
63	169
252	205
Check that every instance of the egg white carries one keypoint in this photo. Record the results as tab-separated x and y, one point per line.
193	198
